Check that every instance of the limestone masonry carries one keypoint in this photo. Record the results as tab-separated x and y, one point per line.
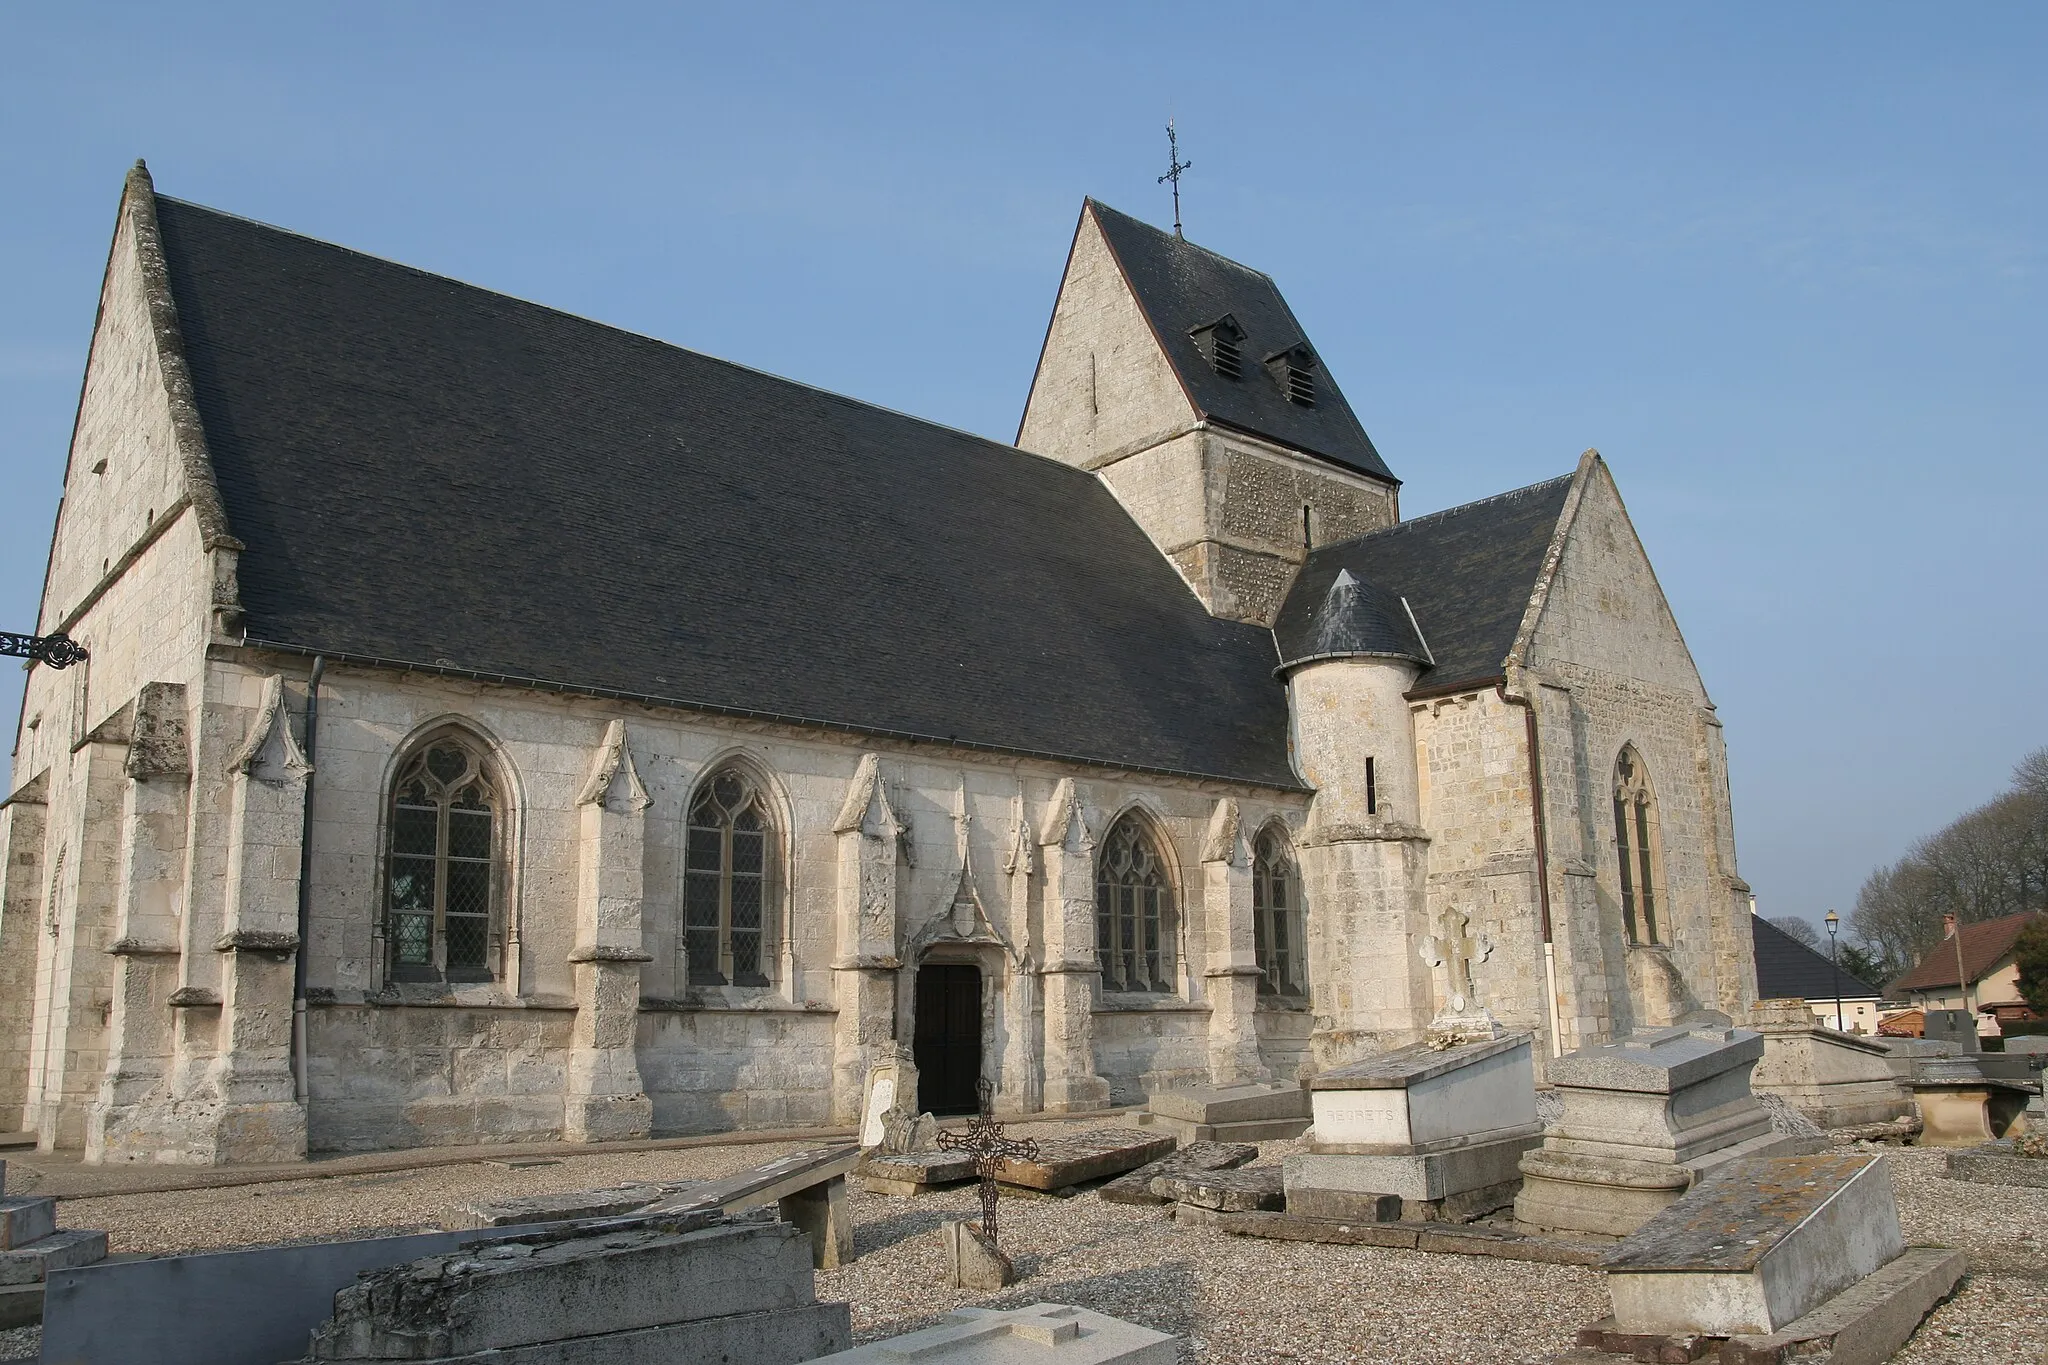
498	727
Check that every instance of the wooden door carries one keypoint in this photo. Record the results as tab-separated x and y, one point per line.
947	1044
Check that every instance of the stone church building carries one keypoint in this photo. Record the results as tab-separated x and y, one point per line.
498	726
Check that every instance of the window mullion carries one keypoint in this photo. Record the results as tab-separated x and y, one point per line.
440	953
725	876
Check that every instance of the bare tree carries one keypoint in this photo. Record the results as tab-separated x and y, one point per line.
1990	862
1794	925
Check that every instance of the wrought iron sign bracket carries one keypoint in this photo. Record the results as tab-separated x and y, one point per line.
58	651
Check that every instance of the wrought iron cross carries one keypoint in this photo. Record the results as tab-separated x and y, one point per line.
58	651
984	1140
1174	166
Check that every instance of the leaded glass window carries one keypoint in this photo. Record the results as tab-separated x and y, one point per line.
442	865
1133	912
1635	843
1278	941
726	884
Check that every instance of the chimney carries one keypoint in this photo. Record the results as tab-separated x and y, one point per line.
1948	926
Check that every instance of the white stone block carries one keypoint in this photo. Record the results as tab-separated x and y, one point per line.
1423	1099
1045	1332
1756	1247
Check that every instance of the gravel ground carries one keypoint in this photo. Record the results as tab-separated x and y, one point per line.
1233	1299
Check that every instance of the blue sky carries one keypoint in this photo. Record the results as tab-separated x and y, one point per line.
1782	265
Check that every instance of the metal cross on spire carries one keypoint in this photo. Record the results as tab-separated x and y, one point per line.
1174	166
985	1141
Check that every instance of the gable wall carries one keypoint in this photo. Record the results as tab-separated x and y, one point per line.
129	551
411	1065
1611	669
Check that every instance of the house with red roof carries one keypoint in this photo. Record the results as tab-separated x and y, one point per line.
1988	982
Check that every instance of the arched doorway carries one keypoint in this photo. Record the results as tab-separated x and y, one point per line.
947	1039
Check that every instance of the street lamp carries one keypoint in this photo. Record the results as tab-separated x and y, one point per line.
1834	923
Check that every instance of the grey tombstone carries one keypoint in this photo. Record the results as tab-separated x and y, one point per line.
1043	1334
1836	1079
1231	1113
1444	1128
1756	1248
1641	1121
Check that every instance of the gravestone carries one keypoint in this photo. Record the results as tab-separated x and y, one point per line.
1835	1079
1136	1186
2022	1162
974	1259
1962	1107
1067	1161
1641	1120
1231	1113
32	1246
1757	1247
1957	1028
878	1101
1231	1191
910	1173
1443	1127
556	1208
1051	1333
622	1296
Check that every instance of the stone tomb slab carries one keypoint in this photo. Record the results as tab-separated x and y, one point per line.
539	1290
555	1208
907	1173
1237	1191
1237	1113
1051	1333
1998	1163
1136	1186
1757	1247
1067	1161
1423	1099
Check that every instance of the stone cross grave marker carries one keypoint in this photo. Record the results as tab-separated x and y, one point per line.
1456	950
984	1140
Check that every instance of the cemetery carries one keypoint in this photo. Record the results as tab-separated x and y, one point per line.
1436	1205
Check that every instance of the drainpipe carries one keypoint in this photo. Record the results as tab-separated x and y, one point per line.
1542	865
301	1083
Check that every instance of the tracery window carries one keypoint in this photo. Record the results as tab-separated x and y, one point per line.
1133	911
1278	939
1635	842
727	883
443	864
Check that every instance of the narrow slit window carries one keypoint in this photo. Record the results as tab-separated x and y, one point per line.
1636	848
1372	789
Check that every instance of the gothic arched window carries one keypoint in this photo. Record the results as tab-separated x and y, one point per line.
1635	843
442	879
1278	938
726	883
1133	911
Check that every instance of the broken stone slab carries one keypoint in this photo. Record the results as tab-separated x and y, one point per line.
911	1173
1999	1163
973	1260
1068	1161
1231	1113
1760	1245
1450	1186
1836	1079
531	1290
1136	1186
782	1336
25	1219
1421	1099
1052	1333
1344	1206
1470	1239
61	1250
1231	1191
768	1183
555	1208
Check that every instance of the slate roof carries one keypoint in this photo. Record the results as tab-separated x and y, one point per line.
424	471
1985	944
1785	967
1180	287
1467	574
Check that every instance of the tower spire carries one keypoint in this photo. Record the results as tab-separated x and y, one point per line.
1174	166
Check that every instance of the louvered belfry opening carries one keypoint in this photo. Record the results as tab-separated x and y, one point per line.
1222	344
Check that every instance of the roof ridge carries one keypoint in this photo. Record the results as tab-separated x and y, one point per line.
580	318
1193	246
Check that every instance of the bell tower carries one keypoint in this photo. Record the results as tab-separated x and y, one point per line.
1184	381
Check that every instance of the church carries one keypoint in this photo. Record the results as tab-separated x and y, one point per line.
495	726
